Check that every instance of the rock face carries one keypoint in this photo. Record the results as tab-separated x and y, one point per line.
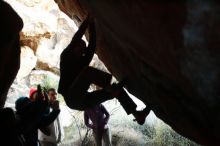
47	31
170	54
28	62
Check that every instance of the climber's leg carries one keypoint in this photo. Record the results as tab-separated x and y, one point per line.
129	105
78	96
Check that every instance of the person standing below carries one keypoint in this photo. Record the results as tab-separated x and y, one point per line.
99	118
55	128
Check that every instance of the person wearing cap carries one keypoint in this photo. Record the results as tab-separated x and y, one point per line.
32	94
33	114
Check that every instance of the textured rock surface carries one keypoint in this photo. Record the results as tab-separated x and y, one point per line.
170	54
47	31
28	62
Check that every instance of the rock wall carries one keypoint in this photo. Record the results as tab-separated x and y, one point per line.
170	54
47	31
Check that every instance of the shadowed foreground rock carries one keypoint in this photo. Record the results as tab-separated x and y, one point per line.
11	25
170	54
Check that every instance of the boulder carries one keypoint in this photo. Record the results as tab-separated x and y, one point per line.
169	51
28	62
47	30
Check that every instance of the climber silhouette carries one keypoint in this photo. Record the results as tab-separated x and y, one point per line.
76	76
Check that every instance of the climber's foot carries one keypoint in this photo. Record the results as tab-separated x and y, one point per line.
140	116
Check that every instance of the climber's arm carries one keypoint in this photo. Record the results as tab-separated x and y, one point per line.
90	50
81	31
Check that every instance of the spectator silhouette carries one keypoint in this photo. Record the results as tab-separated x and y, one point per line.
99	118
